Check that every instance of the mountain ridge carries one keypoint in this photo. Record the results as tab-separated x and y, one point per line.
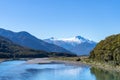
25	39
8	49
77	44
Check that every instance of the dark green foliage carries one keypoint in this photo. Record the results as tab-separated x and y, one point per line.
10	50
78	59
107	50
56	54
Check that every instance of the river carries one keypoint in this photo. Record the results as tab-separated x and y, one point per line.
19	70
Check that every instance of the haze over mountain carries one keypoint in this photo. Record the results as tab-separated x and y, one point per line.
78	44
27	40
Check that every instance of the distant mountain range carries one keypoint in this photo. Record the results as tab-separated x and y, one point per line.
8	49
27	40
78	45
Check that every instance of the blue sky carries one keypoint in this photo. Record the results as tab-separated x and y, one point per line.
93	19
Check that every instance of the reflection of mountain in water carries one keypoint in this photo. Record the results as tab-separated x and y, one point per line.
105	75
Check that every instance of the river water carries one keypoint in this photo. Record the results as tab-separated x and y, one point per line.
19	70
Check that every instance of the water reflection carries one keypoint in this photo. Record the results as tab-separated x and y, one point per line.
105	75
18	70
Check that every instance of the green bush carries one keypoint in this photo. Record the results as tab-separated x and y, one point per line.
107	50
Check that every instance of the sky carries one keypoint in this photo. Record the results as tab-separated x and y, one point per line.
92	19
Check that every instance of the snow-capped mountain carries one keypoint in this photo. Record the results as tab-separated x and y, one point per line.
78	44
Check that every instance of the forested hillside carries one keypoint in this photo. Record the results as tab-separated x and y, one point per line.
108	50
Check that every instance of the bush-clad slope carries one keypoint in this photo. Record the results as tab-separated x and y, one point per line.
108	50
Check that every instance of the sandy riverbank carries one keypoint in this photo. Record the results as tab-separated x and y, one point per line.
39	61
4	59
51	60
46	61
1	60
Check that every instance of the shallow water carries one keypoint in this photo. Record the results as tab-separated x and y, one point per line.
19	70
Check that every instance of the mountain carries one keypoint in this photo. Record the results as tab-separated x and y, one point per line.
78	45
27	40
10	50
107	50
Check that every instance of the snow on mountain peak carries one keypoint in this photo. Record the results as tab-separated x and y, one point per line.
77	44
76	39
70	40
